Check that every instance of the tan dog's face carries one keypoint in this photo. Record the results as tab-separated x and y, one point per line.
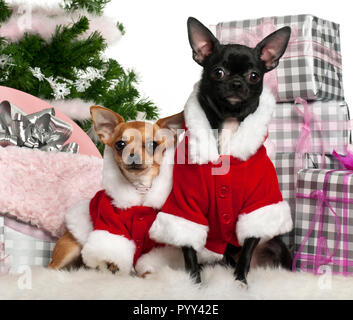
138	146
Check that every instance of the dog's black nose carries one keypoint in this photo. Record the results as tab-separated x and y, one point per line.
134	159
236	85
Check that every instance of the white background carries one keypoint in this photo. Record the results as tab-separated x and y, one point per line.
156	45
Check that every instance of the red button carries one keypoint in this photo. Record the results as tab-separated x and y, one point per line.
223	192
141	219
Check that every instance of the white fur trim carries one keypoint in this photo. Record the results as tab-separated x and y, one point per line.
158	258
125	195
103	246
253	130
270	149
177	231
244	143
208	256
78	221
162	184
202	141
265	223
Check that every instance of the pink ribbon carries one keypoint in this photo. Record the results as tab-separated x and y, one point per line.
322	255
304	143
266	27
253	37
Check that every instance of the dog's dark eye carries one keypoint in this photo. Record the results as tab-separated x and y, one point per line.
254	77
151	146
218	73
120	145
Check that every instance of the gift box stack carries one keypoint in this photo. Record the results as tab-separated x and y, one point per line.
310	121
42	174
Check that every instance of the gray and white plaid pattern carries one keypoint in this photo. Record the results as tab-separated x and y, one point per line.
311	67
22	249
310	180
286	125
284	165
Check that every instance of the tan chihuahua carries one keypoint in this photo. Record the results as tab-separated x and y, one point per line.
134	158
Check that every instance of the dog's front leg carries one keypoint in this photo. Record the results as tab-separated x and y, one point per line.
191	263
243	264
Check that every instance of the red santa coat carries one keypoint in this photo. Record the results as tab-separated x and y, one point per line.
222	197
113	226
132	223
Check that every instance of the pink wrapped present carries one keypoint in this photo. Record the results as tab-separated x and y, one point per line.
311	67
323	222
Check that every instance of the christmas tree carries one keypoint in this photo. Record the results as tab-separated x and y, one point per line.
57	54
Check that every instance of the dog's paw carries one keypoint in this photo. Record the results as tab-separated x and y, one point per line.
240	284
112	267
146	274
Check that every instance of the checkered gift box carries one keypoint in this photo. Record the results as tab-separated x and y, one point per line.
329	127
285	168
311	67
324	222
23	245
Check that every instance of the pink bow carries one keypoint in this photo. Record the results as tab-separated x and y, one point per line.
304	143
322	255
345	161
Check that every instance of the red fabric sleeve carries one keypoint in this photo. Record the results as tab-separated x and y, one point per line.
189	196
105	218
262	186
264	214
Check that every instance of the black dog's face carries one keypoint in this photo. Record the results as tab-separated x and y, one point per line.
232	76
232	79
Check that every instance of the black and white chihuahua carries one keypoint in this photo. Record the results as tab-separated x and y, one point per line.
230	87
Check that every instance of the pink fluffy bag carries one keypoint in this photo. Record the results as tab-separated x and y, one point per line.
38	187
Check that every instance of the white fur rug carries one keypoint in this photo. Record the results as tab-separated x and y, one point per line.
170	284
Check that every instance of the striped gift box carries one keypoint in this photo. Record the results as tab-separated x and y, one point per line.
284	164
329	127
324	221
23	245
311	67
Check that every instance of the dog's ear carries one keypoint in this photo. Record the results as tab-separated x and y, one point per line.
272	48
173	122
170	126
201	39
105	121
